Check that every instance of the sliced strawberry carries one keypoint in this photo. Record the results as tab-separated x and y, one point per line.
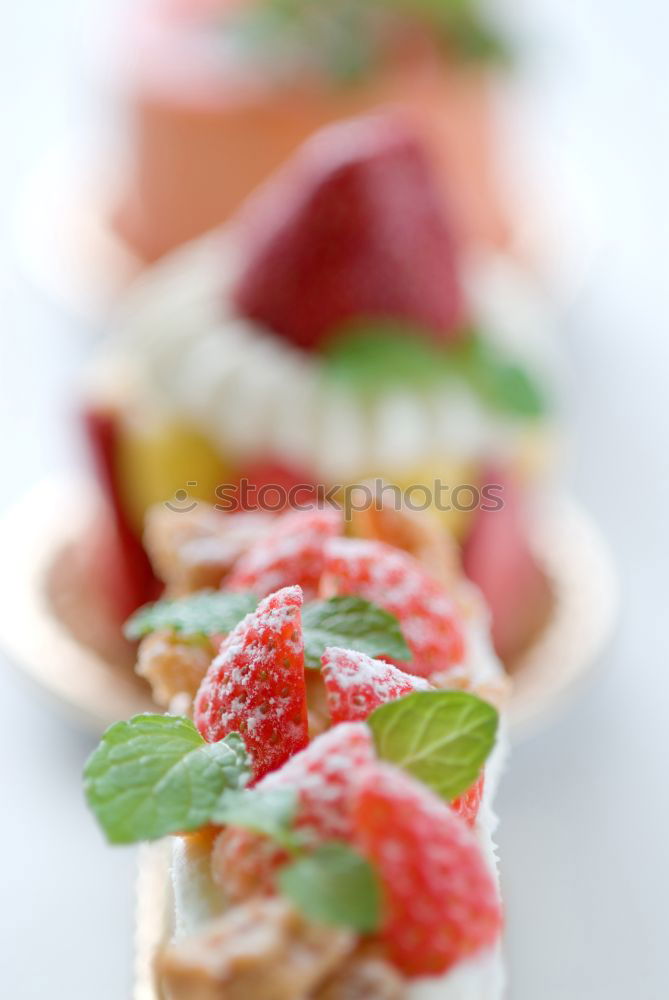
272	486
352	228
256	686
322	776
356	684
244	863
468	804
441	902
291	552
126	577
498	558
397	582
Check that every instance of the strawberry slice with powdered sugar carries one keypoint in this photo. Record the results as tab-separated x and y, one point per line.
440	899
397	582
322	775
291	552
256	687
356	684
468	804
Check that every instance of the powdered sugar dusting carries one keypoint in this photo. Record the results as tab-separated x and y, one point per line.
256	687
397	582
323	775
292	552
356	684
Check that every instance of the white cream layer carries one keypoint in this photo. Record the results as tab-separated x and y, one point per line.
184	355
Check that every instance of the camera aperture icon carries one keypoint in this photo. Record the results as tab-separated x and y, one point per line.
182	502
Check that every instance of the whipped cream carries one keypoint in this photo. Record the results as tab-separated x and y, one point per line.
185	355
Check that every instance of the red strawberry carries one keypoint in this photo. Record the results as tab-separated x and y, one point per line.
467	805
352	228
272	486
244	863
291	552
397	582
498	558
322	776
441	900
256	686
126	575
356	684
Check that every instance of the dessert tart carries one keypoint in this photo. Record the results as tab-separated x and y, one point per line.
327	786
335	332
219	93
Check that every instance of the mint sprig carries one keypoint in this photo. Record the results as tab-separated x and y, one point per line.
351	623
380	355
443	738
346	37
376	357
207	612
500	382
334	885
155	775
269	811
462	27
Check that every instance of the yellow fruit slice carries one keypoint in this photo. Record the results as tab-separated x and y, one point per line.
169	462
448	488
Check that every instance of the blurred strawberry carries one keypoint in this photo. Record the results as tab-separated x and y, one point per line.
273	487
353	228
291	552
498	558
397	582
125	571
441	902
323	777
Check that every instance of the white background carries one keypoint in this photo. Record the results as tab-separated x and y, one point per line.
585	805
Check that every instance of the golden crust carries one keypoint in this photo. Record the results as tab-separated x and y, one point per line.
262	948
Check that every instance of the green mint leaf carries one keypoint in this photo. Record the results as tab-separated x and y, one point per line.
334	885
508	387
502	384
353	623
268	811
155	775
345	38
204	613
443	738
378	356
462	28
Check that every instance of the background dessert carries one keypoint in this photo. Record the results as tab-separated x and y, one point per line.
219	93
595	73
335	332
